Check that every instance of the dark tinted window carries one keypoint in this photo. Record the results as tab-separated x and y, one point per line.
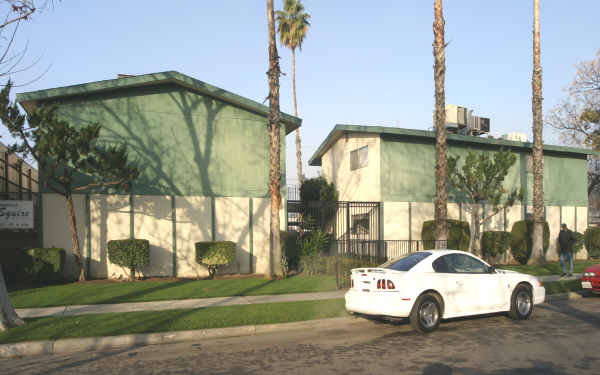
406	263
440	265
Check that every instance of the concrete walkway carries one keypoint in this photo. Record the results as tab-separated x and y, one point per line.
199	303
176	304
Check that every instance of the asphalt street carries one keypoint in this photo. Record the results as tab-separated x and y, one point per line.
561	338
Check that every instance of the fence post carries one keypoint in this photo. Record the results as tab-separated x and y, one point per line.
6	172
20	171
347	227
29	183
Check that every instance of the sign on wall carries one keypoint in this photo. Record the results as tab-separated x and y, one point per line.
16	214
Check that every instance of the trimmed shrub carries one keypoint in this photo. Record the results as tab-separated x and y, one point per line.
133	254
578	245
521	242
43	264
459	234
215	254
494	243
316	243
290	249
591	239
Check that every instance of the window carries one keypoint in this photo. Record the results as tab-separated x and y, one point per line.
359	158
460	263
406	263
360	224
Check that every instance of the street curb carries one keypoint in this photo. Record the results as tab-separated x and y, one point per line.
67	346
562	296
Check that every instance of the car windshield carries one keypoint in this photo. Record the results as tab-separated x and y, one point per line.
406	263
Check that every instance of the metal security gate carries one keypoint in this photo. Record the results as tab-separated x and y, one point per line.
345	221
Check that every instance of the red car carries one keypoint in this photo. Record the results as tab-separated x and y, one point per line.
591	279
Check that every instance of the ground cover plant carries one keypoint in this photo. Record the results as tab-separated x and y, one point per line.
54	328
90	293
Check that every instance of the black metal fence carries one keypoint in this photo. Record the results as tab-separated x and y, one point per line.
343	220
383	249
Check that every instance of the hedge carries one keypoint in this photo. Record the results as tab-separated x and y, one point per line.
494	243
316	243
42	264
459	234
579	240
290	249
133	254
591	239
521	243
215	254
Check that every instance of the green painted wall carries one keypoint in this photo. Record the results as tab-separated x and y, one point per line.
407	173
184	143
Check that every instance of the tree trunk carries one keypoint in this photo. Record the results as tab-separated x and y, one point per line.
274	263
74	237
8	315
441	198
475	230
298	150
538	165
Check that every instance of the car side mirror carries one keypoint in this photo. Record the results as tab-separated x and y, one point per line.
491	269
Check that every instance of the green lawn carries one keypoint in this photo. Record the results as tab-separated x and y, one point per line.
551	268
53	328
144	291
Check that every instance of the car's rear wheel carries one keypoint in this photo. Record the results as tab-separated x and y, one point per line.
426	314
521	304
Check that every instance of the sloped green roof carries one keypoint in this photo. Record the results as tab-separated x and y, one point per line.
30	100
340	129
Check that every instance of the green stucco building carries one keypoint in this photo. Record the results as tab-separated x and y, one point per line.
203	153
396	167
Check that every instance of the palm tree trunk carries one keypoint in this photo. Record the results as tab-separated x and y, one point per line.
8	315
298	150
538	165
274	262
441	198
74	237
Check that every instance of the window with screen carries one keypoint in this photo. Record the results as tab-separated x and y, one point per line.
359	158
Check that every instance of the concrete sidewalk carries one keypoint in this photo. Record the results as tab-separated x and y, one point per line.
576	276
176	304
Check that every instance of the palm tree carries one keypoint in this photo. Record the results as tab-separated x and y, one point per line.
439	75
292	26
274	261
538	157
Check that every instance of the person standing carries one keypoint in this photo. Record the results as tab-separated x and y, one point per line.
566	240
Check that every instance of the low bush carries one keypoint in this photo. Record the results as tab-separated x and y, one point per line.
459	234
42	264
133	254
316	243
215	254
579	240
290	249
494	243
591	239
312	265
521	242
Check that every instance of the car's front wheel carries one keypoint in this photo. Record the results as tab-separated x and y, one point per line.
426	314
521	304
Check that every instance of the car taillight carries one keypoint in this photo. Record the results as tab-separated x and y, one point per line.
385	284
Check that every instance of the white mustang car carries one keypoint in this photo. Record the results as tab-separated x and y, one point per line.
431	285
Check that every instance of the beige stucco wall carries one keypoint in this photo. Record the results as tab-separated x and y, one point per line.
420	212
363	184
395	220
56	229
261	209
193	219
109	216
232	225
152	221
